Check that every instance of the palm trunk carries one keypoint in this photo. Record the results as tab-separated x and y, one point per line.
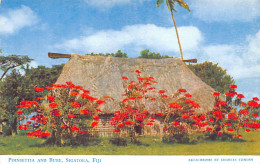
177	35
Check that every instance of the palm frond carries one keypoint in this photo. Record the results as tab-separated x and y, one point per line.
183	4
158	3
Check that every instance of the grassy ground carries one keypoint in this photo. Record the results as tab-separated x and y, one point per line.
21	145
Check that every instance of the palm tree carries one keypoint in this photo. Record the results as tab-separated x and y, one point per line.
170	4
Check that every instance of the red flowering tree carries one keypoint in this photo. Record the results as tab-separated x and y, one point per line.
229	116
181	121
67	115
133	115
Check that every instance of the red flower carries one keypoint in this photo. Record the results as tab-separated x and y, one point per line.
229	94
255	98
218	114
247	130
239	136
63	126
75	104
132	98
219	133
212	119
74	93
20	127
39	98
227	124
255	115
94	124
69	83
216	94
161	91
71	115
159	114
53	105
165	128
139	97
182	90
153	99
244	112
175	106
137	71
195	105
49	88
125	100
240	96
188	95
19	112
232	86
51	98
232	116
185	116
175	123
127	123
164	96
243	104
117	130
124	78
74	128
202	117
149	123
98	110
208	129
86	91
222	103
253	104
96	118
100	102
120	126
231	129
21	118
141	125
84	111
56	113
38	89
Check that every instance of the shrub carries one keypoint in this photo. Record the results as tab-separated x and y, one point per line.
68	115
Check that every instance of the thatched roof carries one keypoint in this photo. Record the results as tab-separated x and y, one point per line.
102	76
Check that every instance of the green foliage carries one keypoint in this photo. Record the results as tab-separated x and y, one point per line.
170	4
213	75
11	93
119	53
12	61
152	55
15	88
40	76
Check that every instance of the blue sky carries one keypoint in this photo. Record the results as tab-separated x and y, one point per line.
222	31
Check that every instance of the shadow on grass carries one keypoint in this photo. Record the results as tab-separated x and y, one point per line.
3	144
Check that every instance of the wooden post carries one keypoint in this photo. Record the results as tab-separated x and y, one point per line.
58	55
190	60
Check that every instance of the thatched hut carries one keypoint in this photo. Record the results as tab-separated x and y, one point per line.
102	76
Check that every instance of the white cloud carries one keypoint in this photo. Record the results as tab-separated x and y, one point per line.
241	61
226	10
16	19
104	4
136	38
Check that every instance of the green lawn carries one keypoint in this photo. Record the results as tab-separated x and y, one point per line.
21	145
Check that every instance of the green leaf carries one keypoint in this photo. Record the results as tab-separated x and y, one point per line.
159	3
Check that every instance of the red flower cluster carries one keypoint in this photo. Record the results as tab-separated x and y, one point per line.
38	133
38	89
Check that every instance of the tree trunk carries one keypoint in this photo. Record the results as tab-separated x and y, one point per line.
177	35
